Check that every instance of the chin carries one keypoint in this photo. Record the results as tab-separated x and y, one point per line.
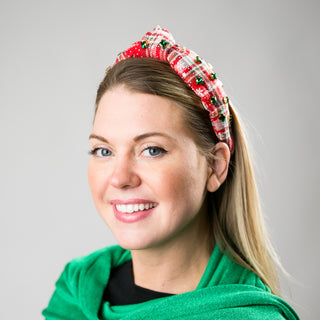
131	245
132	242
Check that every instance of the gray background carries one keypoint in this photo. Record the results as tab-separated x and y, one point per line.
53	55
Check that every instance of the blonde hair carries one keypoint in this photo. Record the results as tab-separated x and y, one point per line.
234	209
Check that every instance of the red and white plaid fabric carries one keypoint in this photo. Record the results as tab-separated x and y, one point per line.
193	70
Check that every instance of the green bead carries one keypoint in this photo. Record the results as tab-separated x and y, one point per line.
222	117
213	76
164	43
199	80
213	100
197	59
144	44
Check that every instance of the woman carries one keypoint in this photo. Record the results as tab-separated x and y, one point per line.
170	174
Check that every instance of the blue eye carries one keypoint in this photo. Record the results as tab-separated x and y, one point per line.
153	151
100	152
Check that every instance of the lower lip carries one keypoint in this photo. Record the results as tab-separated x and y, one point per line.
131	217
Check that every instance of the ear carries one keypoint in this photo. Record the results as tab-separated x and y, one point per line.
218	169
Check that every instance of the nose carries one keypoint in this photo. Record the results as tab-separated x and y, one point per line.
124	174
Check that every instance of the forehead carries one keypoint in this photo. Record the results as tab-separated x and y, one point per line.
121	110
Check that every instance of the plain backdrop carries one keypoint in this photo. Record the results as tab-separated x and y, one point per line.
52	58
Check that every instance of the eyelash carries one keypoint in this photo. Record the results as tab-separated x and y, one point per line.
95	150
161	151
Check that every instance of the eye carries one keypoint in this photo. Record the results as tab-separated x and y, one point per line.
101	152
153	151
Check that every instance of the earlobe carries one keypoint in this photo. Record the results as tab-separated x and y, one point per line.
219	166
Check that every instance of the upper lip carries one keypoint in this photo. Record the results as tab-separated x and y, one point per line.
130	201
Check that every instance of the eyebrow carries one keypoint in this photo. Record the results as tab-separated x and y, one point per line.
137	138
152	134
94	136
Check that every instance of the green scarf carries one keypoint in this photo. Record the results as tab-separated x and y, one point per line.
226	291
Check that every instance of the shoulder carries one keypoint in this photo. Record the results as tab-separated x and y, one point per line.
112	256
82	282
84	272
222	269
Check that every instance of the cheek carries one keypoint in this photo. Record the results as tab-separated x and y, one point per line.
178	182
95	180
189	183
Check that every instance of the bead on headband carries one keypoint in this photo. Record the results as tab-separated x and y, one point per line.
193	70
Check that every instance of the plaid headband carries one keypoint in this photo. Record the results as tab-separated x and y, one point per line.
194	71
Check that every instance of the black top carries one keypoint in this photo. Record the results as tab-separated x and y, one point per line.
121	289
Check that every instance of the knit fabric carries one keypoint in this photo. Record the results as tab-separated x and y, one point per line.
193	70
226	291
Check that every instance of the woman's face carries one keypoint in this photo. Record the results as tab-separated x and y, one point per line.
147	177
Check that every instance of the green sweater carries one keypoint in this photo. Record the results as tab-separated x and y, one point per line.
226	291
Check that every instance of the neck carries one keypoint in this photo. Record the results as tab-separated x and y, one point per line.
173	267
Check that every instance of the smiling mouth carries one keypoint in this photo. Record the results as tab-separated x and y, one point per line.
136	207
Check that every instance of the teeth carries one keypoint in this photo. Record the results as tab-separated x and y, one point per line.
130	208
